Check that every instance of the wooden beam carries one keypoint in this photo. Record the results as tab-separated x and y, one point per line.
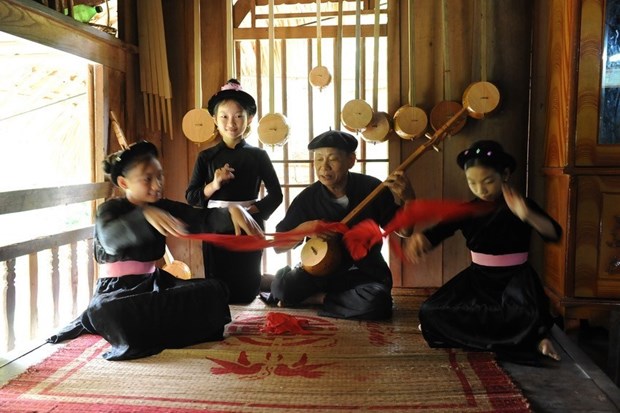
240	10
278	2
32	21
29	199
12	251
305	32
326	15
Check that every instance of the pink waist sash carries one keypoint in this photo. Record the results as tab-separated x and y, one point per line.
505	260
121	268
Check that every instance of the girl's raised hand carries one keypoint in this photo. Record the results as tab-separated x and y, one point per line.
243	221
223	175
539	222
416	247
163	222
515	202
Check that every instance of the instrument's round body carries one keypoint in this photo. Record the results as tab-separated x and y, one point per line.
480	99
350	129
179	269
319	77
443	112
320	257
410	122
356	114
273	129
198	125
378	129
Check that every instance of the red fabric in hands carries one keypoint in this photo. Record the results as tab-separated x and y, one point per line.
255	242
363	236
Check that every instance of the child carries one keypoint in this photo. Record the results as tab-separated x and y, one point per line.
231	172
498	302
138	308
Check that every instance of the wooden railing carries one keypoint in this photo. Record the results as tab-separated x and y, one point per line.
47	281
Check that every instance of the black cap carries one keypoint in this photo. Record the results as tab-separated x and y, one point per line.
232	90
334	139
488	153
116	163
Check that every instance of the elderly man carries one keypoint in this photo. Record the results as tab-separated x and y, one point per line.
356	289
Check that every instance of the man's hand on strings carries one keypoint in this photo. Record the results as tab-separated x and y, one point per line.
163	222
243	221
400	186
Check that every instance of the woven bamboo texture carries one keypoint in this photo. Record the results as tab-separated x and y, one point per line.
339	366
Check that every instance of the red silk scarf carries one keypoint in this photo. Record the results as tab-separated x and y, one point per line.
361	237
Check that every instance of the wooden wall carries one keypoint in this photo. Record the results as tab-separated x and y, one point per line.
508	46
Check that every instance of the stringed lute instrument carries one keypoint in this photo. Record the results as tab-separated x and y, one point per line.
320	257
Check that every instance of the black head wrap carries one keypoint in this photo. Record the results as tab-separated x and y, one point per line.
232	90
487	153
334	139
117	163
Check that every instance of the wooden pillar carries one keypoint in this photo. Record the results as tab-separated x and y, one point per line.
7	288
33	273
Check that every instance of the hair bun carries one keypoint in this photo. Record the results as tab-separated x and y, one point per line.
232	90
115	163
489	153
108	163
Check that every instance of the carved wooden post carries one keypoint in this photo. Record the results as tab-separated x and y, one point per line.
33	293
8	292
91	266
4	323
55	285
74	277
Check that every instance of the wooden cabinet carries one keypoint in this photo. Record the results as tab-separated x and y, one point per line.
597	120
582	158
597	237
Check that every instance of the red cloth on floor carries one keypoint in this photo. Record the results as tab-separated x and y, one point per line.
281	323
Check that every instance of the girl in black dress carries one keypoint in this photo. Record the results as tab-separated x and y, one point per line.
497	303
232	172
138	308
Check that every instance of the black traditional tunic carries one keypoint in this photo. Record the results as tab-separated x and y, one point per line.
359	289
501	309
142	314
240	270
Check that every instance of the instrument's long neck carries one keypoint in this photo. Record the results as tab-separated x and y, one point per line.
439	133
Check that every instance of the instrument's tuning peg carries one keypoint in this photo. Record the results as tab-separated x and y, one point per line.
428	136
436	148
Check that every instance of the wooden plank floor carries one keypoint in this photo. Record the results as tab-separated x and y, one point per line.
573	385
